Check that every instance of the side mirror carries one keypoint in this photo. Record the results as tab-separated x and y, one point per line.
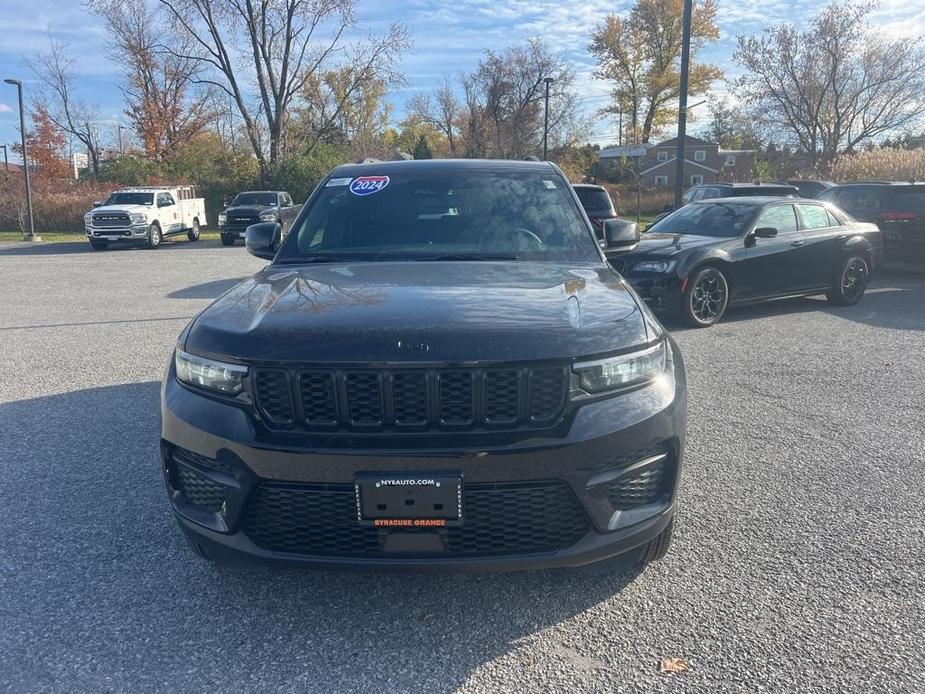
765	232
97	203
226	200
620	235
262	240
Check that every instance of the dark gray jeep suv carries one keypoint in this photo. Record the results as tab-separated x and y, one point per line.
438	370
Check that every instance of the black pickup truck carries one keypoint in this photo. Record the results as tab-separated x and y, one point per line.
253	207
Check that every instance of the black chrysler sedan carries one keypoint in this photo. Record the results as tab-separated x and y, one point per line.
438	370
710	255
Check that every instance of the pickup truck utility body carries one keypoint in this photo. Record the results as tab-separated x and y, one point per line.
145	215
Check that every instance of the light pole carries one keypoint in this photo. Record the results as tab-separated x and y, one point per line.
548	81
25	159
6	159
121	151
682	103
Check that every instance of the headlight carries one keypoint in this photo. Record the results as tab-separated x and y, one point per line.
623	370
209	374
88	218
222	217
660	266
138	217
267	216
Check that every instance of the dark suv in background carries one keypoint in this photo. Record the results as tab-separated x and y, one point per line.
253	207
438	370
707	191
810	188
597	204
897	208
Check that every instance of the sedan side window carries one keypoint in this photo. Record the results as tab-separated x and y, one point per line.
833	220
781	217
814	216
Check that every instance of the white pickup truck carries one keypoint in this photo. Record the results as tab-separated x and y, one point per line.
145	216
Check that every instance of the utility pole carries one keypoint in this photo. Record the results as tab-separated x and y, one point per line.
25	159
548	81
682	104
121	151
6	159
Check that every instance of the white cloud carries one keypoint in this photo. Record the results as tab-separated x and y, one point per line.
4	108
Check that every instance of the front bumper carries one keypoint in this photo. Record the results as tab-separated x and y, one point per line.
237	232
219	453
136	232
661	293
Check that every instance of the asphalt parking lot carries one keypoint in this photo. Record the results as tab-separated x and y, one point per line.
797	565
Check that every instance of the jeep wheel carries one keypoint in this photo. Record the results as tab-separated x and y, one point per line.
154	236
99	245
228	240
193	234
658	548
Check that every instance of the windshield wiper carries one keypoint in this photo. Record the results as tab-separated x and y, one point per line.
312	259
467	256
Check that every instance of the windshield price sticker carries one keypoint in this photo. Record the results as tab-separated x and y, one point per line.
367	185
337	182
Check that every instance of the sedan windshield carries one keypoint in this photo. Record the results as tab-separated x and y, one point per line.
130	199
708	219
263	199
462	216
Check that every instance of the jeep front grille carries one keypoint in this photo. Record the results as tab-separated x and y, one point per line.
414	398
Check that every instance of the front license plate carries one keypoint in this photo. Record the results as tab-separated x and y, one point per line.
422	500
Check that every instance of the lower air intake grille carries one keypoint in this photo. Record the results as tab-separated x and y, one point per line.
509	518
643	487
198	489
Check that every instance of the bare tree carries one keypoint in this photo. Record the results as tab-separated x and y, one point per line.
164	105
443	110
275	46
54	70
505	96
834	85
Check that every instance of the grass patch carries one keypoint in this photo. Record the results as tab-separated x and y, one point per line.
77	237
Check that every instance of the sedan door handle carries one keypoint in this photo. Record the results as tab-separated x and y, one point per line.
797	243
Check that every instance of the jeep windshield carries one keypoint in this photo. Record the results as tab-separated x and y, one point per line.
725	219
262	199
130	199
457	216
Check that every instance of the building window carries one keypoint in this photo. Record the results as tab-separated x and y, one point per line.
730	160
661	181
700	155
663	155
696	179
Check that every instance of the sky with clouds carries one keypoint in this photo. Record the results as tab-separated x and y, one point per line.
448	37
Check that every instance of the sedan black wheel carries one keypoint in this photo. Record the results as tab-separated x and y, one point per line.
228	240
706	298
851	282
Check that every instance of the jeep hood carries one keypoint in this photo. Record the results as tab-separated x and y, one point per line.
422	312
